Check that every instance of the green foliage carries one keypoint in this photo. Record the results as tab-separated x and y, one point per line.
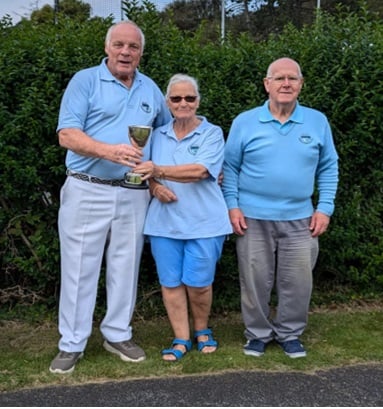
341	57
75	9
36	62
351	93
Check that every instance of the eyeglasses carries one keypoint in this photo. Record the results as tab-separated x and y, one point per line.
188	98
280	80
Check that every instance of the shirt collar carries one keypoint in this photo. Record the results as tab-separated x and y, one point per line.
168	128
265	114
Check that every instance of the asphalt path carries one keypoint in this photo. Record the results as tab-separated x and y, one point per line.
348	386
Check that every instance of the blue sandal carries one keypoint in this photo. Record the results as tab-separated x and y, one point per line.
176	352
210	342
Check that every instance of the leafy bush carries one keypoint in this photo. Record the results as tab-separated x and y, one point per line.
341	57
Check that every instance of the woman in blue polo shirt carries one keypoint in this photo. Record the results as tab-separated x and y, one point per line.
187	219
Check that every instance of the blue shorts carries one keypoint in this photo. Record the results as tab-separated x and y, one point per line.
190	262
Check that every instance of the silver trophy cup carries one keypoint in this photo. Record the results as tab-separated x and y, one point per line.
138	136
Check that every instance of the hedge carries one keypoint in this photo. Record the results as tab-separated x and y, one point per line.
341	57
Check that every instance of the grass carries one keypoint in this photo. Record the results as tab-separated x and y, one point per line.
346	336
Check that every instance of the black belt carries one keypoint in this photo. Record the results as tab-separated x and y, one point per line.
94	179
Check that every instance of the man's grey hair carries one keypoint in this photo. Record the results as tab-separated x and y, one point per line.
271	66
128	22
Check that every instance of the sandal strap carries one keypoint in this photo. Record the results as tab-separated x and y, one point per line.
177	352
171	351
210	342
186	343
206	331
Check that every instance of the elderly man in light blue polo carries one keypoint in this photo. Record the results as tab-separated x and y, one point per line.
99	218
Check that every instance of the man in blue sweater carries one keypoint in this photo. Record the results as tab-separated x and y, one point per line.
275	156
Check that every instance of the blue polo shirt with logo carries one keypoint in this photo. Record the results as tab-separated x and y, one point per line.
103	107
200	211
271	169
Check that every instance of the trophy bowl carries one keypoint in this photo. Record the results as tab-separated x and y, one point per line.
138	136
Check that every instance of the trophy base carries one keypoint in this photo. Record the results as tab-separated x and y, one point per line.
128	185
133	181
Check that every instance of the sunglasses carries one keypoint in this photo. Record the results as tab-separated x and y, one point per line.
188	98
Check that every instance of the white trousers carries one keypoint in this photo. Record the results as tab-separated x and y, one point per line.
98	222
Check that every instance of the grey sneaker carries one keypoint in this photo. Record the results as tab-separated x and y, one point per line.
126	350
65	362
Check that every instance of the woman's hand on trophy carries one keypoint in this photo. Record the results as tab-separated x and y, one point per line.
146	169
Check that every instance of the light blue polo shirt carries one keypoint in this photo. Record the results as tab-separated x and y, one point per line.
200	210
103	107
271	169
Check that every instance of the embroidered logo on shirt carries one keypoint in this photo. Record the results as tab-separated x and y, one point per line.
305	138
146	107
193	149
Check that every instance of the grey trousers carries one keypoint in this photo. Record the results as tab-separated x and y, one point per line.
280	253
